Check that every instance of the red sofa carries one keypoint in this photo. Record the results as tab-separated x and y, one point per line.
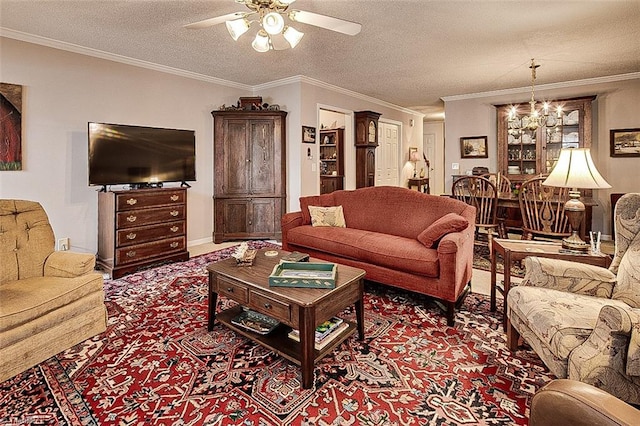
383	225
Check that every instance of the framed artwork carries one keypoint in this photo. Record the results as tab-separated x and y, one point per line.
625	142
308	134
413	154
11	113
473	147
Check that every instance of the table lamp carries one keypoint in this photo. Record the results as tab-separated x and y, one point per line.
575	169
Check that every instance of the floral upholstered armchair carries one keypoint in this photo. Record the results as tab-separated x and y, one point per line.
582	320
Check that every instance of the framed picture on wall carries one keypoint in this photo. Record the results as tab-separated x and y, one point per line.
308	134
473	147
625	142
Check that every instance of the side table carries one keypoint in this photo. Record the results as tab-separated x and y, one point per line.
513	250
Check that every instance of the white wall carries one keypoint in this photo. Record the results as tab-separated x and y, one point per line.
616	107
62	92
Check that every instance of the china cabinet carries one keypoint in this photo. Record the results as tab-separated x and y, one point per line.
331	160
249	174
366	144
523	153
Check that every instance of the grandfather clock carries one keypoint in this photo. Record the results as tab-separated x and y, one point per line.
366	144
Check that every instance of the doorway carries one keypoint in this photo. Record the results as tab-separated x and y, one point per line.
388	154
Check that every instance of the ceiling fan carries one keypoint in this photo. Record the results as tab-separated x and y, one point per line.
274	32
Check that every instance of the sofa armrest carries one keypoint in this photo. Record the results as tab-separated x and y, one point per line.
572	277
569	402
289	221
602	358
66	264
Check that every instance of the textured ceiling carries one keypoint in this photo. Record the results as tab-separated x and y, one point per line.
410	52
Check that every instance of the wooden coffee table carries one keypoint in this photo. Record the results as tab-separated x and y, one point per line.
300	308
513	250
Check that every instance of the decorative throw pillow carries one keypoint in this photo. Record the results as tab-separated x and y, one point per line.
451	222
327	216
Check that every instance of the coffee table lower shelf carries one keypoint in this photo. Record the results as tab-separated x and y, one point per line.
279	341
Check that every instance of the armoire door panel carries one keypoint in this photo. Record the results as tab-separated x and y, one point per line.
262	168
236	157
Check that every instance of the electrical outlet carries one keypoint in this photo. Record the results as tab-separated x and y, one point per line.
63	244
455	166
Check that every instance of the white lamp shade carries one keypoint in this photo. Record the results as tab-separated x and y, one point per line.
575	169
237	27
261	42
293	36
273	23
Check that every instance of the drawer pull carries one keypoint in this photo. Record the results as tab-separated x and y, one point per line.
131	218
174	244
229	289
268	306
131	253
132	201
175	197
131	236
174	229
174	213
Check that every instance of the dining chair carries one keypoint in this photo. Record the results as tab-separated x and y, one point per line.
481	193
542	210
503	185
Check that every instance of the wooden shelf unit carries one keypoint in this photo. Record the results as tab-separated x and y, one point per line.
331	160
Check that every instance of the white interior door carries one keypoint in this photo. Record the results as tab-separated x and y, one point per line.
387	160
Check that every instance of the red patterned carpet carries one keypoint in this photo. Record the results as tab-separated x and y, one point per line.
156	364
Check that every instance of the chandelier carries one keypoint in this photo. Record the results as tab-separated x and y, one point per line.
535	118
270	16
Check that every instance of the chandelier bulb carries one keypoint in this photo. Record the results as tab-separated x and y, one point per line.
261	42
273	23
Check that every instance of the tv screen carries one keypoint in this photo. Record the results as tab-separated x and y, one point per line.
123	154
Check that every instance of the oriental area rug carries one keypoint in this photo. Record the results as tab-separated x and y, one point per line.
157	365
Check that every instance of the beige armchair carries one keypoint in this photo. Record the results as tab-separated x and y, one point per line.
582	320
49	301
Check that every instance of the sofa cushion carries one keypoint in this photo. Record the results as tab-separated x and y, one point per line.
561	320
399	253
327	216
448	223
389	251
26	239
24	300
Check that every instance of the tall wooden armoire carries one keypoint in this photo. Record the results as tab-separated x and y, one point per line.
249	150
366	144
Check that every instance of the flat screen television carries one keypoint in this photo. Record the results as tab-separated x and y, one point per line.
140	156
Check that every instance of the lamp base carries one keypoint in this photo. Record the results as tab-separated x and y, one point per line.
574	243
574	209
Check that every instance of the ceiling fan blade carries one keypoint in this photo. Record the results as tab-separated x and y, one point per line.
279	42
215	21
327	22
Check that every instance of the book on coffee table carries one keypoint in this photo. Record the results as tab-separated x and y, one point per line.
324	341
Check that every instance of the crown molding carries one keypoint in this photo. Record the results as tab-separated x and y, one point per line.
541	87
298	79
70	47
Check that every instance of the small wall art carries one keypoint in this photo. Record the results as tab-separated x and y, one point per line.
11	126
308	134
473	147
625	142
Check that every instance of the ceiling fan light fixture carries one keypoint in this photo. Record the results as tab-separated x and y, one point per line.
293	36
261	42
273	23
237	27
286	2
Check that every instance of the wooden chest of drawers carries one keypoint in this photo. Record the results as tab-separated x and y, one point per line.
140	228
